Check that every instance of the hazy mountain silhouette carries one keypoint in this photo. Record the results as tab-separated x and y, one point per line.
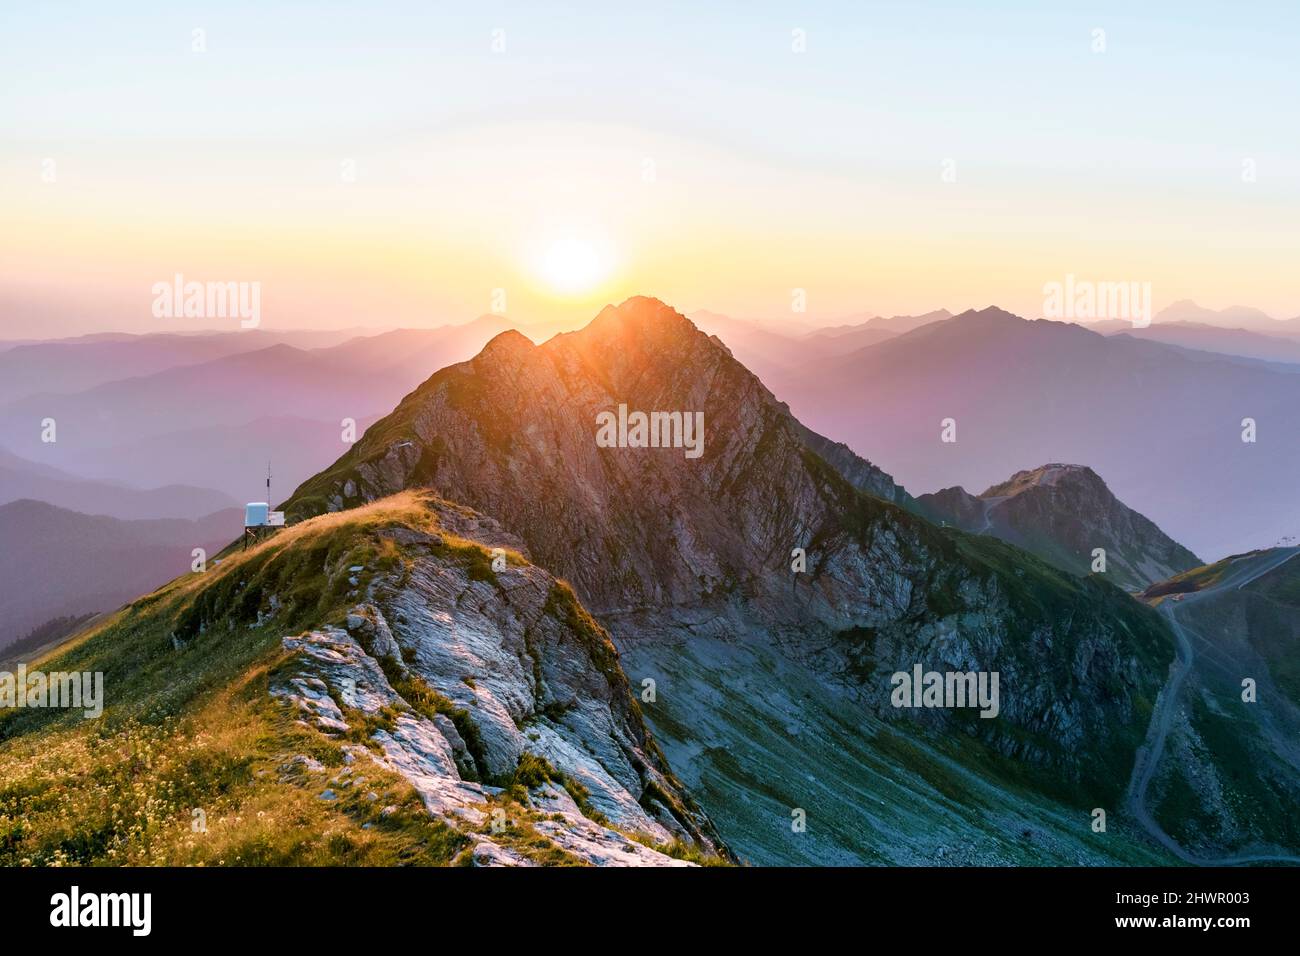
856	335
58	562
1233	317
74	365
183	424
1212	338
20	478
1164	425
232	458
763	349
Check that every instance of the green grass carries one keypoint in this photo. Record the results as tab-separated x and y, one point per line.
1282	585
124	791
189	724
1194	579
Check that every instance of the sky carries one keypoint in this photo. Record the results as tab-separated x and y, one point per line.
415	164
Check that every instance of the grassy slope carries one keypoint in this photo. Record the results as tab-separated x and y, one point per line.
1194	579
874	792
195	728
1276	617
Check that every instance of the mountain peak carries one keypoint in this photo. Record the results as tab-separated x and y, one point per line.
1062	512
639	334
987	314
642	356
1049	474
507	343
638	315
683	535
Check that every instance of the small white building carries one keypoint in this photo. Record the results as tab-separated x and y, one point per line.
258	514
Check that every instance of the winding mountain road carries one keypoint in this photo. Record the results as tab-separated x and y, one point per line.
1148	755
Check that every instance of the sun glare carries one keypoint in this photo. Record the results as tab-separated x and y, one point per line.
572	266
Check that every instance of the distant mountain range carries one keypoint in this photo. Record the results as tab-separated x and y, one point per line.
1063	514
215	423
1233	317
231	457
1212	338
771	349
1163	424
742	595
20	478
77	364
763	349
57	562
691	561
877	328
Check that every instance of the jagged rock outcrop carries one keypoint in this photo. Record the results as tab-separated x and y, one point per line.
1062	513
512	433
456	674
656	542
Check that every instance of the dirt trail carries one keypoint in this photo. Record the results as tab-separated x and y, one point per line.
1148	755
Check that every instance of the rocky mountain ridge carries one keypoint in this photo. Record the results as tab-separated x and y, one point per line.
655	543
490	668
405	647
1062	513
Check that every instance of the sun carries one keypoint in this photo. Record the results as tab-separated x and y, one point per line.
572	266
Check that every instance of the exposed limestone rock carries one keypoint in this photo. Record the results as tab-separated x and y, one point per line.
526	670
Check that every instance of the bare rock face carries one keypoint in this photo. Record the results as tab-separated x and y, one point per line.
457	673
1062	513
513	434
657	543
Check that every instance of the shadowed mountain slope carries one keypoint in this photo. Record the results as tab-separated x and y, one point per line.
1163	424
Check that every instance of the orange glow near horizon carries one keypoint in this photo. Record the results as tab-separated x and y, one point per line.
566	227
